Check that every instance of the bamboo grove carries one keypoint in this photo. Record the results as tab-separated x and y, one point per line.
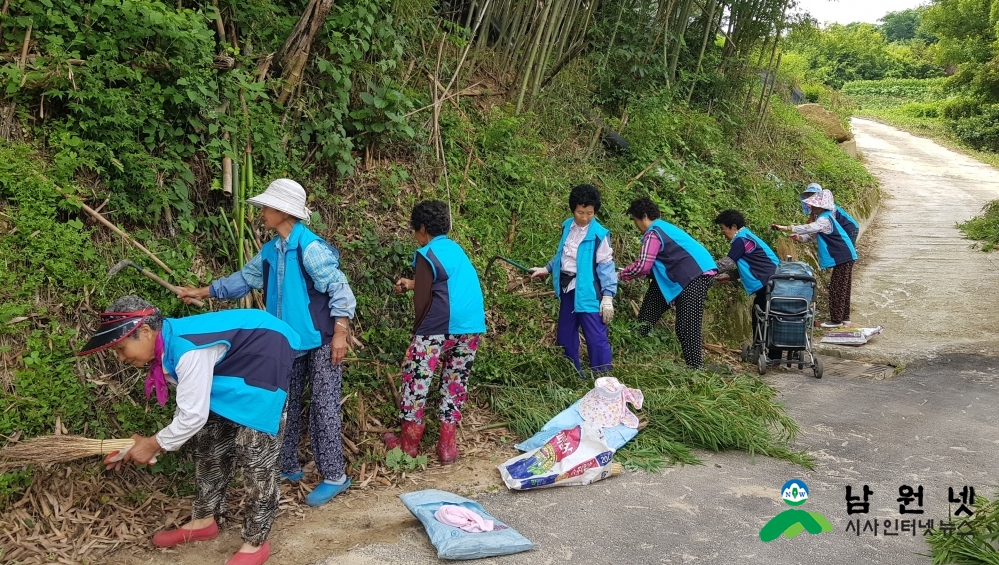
659	40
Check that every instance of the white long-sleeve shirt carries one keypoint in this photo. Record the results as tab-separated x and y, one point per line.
570	250
195	370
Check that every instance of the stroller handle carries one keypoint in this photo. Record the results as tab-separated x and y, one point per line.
789	277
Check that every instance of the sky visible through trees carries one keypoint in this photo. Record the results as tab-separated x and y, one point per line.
848	11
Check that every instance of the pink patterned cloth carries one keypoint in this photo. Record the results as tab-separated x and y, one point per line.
155	377
607	404
822	200
463	518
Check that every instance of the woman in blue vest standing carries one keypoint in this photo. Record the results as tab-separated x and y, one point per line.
680	271
585	281
450	320
752	260
836	251
231	370
302	284
850	225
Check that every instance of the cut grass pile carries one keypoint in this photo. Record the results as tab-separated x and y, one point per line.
683	411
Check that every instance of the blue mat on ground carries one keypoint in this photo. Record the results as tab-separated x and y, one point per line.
569	418
455	543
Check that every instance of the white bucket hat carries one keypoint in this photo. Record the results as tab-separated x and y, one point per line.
284	195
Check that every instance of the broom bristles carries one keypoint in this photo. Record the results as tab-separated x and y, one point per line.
60	449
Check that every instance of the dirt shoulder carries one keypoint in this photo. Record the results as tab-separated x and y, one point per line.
360	517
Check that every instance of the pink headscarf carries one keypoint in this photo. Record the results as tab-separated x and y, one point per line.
822	200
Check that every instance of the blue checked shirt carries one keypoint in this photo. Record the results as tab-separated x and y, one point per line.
319	262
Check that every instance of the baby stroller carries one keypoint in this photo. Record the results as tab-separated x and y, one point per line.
788	321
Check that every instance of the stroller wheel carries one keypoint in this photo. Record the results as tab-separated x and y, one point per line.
745	354
817	368
761	363
801	359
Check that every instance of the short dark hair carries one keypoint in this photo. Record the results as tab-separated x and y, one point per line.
731	218
644	208
433	215
584	195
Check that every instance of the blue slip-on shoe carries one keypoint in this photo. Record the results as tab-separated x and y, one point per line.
324	492
293	477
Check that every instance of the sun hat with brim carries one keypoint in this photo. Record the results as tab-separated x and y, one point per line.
284	195
809	190
115	326
822	200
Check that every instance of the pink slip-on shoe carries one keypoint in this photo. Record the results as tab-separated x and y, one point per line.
255	558
178	536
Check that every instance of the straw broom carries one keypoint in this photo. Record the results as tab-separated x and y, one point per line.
46	450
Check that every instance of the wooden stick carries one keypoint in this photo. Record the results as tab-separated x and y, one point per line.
116	230
647	169
24	49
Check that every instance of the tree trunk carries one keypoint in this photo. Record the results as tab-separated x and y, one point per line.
295	53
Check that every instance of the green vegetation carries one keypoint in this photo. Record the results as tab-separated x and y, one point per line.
985	227
396	460
975	542
931	70
136	108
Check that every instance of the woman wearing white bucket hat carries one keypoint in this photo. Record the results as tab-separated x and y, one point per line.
299	274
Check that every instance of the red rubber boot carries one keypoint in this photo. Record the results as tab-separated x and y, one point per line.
410	438
447	445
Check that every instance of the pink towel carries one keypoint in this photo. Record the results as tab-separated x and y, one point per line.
461	517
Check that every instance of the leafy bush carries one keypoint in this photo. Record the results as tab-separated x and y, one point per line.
980	131
962	107
894	92
920	109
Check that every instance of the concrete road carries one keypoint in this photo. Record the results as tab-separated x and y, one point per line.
934	426
917	276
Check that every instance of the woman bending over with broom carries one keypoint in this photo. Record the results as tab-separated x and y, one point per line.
232	371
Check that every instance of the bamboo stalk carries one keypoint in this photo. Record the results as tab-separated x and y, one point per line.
533	55
708	26
24	50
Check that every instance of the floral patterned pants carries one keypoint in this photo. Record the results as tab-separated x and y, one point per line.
456	353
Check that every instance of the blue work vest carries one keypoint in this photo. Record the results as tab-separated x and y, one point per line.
848	223
303	307
588	291
456	306
250	382
834	248
681	259
757	266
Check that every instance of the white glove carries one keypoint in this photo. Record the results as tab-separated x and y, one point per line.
538	272
607	309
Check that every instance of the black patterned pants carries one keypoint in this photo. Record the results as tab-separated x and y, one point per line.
325	422
218	448
840	288
689	315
